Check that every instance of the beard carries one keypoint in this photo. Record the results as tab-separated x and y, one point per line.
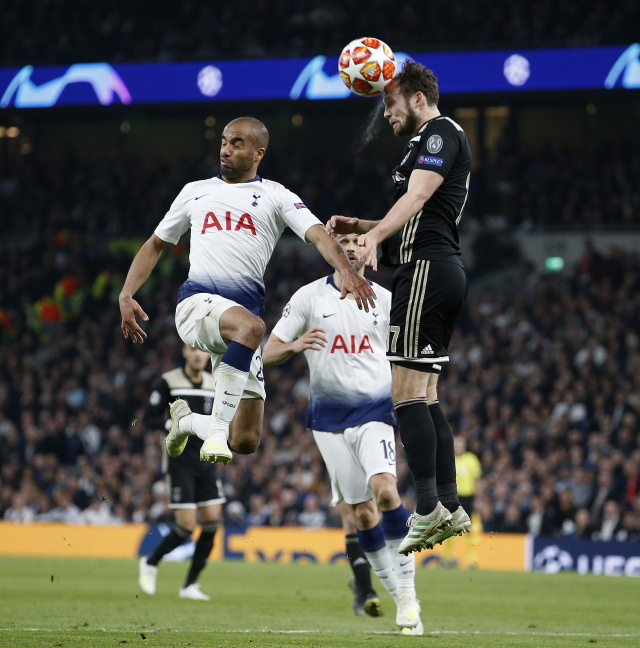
410	124
239	168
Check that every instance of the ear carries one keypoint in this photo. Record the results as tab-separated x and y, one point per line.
259	154
419	100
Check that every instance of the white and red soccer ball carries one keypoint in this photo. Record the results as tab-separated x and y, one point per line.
367	66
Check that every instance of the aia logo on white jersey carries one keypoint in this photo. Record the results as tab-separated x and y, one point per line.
339	344
244	222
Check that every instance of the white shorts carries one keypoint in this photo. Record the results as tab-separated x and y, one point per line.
353	456
198	324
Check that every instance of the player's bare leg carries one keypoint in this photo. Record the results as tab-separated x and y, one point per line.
246	427
371	536
365	599
242	333
445	468
394	526
418	434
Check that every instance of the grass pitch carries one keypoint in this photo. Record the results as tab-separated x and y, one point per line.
75	602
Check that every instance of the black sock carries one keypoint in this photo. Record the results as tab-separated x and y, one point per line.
359	563
201	554
177	536
418	436
445	459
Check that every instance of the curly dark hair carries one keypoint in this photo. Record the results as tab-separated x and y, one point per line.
415	77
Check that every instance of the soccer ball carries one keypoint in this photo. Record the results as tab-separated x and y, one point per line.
367	66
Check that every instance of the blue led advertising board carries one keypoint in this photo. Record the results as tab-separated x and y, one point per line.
312	78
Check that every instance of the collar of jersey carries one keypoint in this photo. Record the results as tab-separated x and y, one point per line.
423	125
331	282
198	385
256	179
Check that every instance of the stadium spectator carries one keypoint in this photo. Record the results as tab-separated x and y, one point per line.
59	32
71	394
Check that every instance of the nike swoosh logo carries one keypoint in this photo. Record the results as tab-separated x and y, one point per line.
403	564
228	394
203	195
323	315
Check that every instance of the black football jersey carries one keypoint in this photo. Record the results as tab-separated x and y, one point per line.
432	234
171	386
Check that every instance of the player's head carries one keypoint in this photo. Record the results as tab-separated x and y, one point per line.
412	93
459	444
244	143
354	252
195	359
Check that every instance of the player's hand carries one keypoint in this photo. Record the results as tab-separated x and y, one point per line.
342	225
313	339
360	288
370	244
130	309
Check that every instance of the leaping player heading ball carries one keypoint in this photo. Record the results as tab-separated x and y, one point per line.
419	236
236	219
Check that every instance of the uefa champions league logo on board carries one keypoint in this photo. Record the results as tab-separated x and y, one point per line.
104	80
628	67
320	85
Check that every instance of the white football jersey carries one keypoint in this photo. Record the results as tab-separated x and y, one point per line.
351	376
234	229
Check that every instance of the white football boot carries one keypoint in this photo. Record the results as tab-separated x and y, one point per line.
193	592
408	613
176	440
423	529
215	448
147	577
460	523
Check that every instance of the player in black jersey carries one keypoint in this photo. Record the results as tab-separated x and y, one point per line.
192	485
419	236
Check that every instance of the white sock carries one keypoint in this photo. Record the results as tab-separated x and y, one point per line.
382	564
197	424
405	568
230	384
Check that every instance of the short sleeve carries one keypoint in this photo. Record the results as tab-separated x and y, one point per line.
295	318
295	213
176	221
439	149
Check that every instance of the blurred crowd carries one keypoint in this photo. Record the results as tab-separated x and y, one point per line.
561	189
61	31
543	387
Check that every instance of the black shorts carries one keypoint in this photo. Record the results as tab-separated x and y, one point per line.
426	299
192	483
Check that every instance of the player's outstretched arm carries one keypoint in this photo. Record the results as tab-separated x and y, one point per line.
141	267
344	225
276	351
352	282
422	185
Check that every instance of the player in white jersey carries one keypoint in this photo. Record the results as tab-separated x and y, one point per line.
236	220
352	418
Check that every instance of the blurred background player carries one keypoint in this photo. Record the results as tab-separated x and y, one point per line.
419	236
192	485
351	415
236	219
468	471
365	598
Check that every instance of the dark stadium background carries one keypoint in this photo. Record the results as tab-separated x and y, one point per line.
545	370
